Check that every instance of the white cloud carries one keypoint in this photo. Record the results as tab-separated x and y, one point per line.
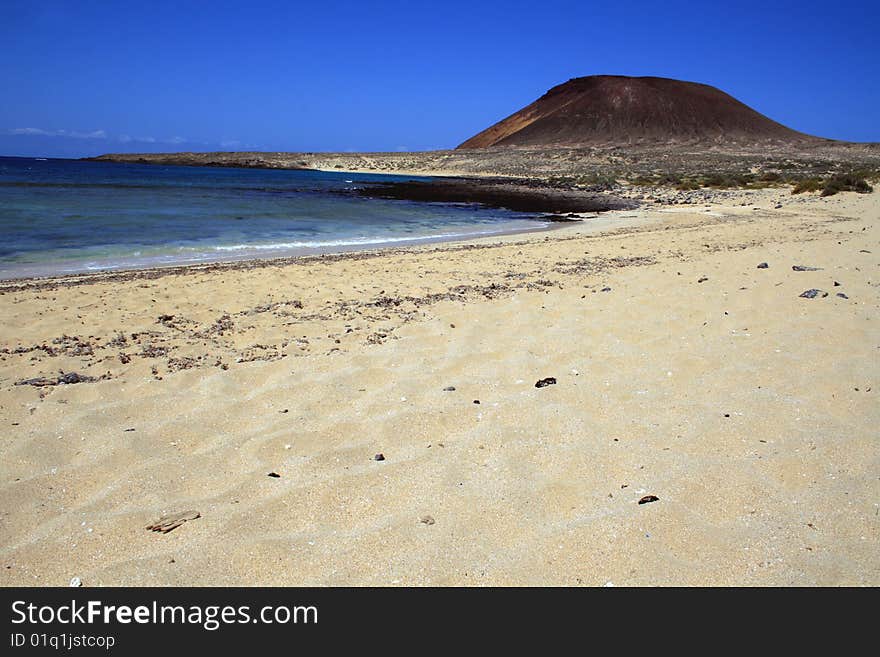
95	134
30	131
121	138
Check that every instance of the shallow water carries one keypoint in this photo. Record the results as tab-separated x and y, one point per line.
69	216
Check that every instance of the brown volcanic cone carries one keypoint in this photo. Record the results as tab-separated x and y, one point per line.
613	109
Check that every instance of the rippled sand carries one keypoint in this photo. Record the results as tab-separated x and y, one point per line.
750	412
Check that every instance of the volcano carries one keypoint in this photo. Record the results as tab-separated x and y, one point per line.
614	109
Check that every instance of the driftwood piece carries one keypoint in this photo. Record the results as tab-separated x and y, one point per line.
172	521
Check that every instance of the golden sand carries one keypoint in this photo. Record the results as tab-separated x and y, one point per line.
750	412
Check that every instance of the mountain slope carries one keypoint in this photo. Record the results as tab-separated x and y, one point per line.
610	109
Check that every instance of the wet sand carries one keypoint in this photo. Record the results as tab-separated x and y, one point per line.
683	371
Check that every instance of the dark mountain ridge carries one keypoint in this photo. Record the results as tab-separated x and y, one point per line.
614	109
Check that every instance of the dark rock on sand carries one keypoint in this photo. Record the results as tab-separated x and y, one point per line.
449	389
37	381
805	268
73	377
68	378
842	295
812	294
520	196
379	457
647	499
549	381
560	218
763	265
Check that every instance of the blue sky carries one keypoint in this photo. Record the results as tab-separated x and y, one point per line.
85	77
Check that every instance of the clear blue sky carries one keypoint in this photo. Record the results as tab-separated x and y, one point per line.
83	77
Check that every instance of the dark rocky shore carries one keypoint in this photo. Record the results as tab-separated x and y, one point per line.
520	196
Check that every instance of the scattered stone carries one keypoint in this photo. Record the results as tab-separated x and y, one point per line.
763	265
73	377
702	280
449	389
842	295
38	381
606	289
805	268
274	475
171	522
812	294
68	378
836	284
379	457
777	206
129	429
426	520
76	582
549	381
647	499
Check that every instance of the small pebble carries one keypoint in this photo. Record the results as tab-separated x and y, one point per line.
426	520
379	457
76	582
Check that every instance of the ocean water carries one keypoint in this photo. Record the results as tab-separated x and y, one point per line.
69	216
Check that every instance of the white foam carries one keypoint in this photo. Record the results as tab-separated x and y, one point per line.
355	241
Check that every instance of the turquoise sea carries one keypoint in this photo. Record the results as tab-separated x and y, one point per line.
71	216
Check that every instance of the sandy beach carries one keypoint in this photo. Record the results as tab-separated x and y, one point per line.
260	395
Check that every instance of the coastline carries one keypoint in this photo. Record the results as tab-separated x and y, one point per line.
590	223
682	371
464	208
251	259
